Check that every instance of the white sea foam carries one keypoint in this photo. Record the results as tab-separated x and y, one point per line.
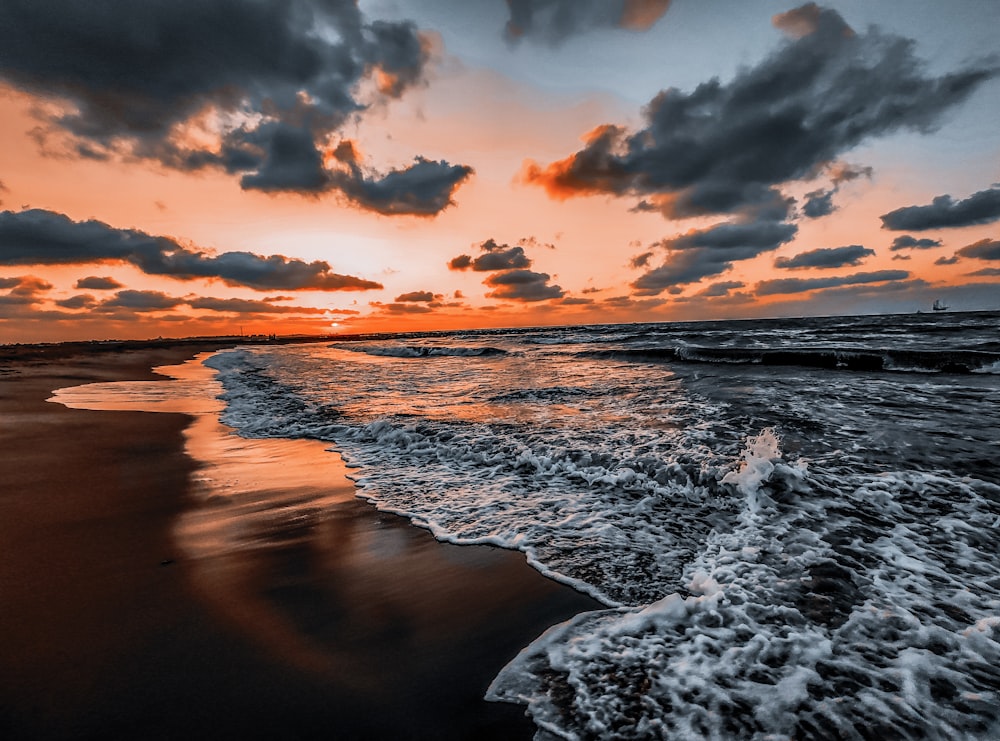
763	648
840	580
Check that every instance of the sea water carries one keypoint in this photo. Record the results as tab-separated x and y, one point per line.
794	524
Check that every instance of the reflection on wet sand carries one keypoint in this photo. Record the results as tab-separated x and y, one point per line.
278	543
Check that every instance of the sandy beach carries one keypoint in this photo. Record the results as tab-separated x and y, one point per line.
331	621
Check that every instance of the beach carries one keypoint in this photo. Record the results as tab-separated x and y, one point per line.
348	624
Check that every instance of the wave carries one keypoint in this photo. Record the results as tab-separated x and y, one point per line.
884	359
421	351
815	615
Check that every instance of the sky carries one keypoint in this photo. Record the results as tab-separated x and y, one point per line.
212	167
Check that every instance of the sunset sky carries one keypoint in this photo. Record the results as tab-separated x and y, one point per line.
204	167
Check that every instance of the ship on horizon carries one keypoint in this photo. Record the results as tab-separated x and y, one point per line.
939	306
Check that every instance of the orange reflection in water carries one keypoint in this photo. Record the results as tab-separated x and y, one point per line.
278	544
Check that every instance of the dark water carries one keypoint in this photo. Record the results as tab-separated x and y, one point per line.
794	523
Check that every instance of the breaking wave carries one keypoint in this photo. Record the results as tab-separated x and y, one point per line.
893	360
420	351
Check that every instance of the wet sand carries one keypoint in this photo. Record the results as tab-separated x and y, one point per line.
146	595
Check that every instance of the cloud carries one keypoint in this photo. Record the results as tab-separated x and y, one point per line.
142	301
416	296
259	90
986	272
402	308
723	288
423	189
96	283
809	19
826	257
39	237
82	301
522	285
509	276
725	148
947	260
576	301
136	301
984	249
944	212
534	242
906	242
701	253
801	285
819	203
495	257
641	260
631	304
248	306
24	290
554	21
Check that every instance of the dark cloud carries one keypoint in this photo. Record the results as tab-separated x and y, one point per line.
416	297
841	172
819	203
522	285
248	306
534	242
679	269
723	288
943	212
986	272
96	283
24	290
826	257
906	242
947	260
398	307
801	285
148	301
142	301
984	249
575	301
702	253
627	302
82	301
495	257
553	21
901	257
423	189
27	285
726	147
641	260
267	85
509	275
40	237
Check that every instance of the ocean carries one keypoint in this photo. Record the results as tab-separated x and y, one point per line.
794	524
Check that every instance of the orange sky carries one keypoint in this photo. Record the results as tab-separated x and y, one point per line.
503	107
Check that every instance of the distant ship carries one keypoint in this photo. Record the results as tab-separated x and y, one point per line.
938	306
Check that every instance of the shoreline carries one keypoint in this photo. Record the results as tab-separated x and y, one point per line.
109	630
